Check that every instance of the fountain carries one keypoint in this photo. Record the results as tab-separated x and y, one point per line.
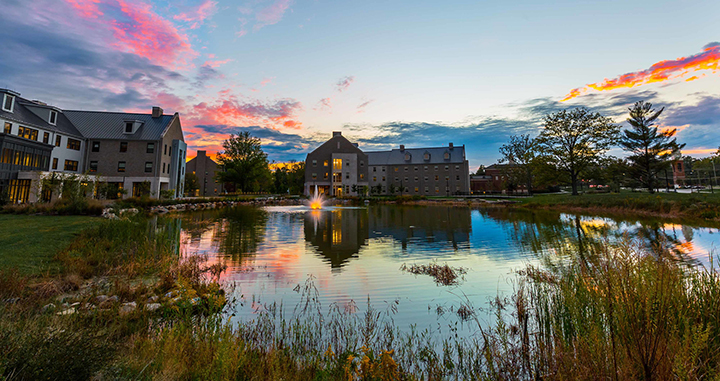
316	200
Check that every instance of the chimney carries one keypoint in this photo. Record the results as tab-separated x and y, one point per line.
356	145
450	145
157	112
402	147
337	133
201	154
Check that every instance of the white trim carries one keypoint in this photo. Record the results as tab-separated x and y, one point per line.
12	104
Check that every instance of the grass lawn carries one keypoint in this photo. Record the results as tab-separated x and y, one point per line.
30	242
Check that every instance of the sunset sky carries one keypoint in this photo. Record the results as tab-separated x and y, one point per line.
419	73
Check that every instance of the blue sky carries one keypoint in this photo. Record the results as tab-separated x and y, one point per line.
418	73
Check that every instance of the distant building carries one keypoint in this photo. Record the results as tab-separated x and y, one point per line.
205	168
338	167
143	154
495	180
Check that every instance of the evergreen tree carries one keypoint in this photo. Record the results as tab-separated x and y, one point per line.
245	164
650	150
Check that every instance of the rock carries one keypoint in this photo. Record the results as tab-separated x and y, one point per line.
175	300
113	299
68	311
101	298
195	301
153	299
74	304
127	308
153	306
48	307
171	294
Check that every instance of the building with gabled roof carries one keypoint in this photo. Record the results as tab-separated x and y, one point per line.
431	171
139	154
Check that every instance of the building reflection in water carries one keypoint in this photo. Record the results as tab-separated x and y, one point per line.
340	234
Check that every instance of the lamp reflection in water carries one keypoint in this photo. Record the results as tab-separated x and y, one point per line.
316	201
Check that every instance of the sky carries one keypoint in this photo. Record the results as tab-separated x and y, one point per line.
385	73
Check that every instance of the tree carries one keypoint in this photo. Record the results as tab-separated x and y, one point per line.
576	138
191	184
245	164
520	153
650	150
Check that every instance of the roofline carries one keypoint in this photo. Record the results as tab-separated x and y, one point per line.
165	130
11	92
33	104
406	149
115	112
52	128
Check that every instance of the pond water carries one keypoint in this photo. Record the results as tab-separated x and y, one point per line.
351	255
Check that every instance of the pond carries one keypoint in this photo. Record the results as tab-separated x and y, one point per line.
352	256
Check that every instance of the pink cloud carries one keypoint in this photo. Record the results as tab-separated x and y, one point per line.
272	14
266	81
197	16
216	64
139	30
344	82
324	104
361	107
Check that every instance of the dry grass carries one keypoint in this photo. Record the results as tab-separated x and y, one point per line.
442	274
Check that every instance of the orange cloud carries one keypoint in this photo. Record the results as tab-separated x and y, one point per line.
699	151
662	71
218	63
665	129
139	30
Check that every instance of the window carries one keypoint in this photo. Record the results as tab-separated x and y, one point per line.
325	163
457	167
8	128
383	178
163	168
426	156
347	175
325	175
446	156
374	178
314	176
73	144
337	163
457	178
437	190
170	151
383	169
437	177
71	165
165	150
53	117
123	146
426	178
416	178
55	163
426	189
58	140
93	166
96	146
148	166
417	189
447	167
128	127
397	169
447	178
121	166
151	148
436	167
27	133
417	168
46	137
406	169
406	179
362	163
314	163
397	179
362	176
8	103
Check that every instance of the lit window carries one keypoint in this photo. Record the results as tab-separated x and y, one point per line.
417	189
397	169
55	163
27	133
325	163
374	178
121	166
447	155
337	163
362	176
93	166
325	176
426	156
71	165
8	128
46	137
73	144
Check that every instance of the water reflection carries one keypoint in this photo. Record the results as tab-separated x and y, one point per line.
340	234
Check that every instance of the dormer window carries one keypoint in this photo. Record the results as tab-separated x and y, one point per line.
426	156
407	157
8	103
129	127
446	156
53	117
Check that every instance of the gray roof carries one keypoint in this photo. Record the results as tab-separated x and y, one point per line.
23	115
417	156
111	125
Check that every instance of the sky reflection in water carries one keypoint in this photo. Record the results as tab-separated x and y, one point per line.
355	253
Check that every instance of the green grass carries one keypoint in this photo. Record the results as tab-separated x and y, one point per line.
694	205
29	243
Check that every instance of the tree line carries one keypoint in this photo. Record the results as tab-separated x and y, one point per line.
574	143
244	168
